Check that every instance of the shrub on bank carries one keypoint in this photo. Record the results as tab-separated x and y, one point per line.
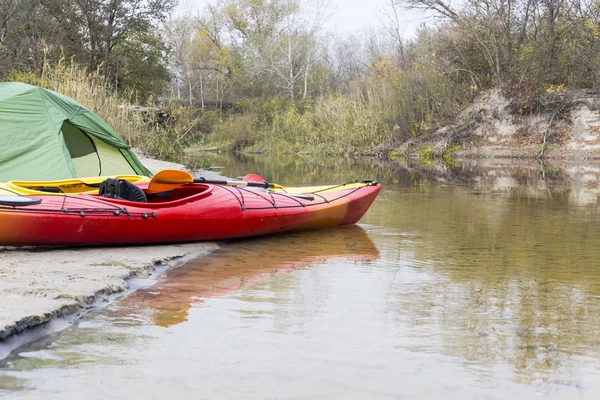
378	111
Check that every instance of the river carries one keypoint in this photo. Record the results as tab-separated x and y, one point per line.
474	281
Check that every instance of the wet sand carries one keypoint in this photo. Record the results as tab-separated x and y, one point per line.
41	284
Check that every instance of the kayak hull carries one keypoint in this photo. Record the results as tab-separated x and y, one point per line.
194	213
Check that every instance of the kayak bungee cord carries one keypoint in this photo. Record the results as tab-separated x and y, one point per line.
301	204
307	205
238	199
367	182
273	203
118	210
324	199
115	210
270	193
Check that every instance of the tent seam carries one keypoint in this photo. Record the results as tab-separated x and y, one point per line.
79	108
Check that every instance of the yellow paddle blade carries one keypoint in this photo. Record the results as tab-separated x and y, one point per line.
168	179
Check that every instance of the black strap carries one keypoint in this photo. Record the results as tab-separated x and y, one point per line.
18	201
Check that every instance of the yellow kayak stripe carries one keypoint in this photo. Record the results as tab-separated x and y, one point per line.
68	186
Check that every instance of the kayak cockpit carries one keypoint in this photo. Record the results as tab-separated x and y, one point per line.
90	187
180	193
177	196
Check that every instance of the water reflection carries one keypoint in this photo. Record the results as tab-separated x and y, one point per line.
243	264
502	279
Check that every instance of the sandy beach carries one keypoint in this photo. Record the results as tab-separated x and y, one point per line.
38	285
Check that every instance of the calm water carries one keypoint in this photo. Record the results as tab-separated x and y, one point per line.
472	282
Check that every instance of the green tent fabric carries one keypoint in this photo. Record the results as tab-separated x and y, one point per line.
47	136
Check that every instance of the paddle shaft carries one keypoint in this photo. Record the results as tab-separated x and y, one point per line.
167	180
254	185
261	185
265	185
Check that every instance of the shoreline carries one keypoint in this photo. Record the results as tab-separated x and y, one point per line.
40	285
558	154
33	307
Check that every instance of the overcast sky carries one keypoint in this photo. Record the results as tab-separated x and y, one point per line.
347	15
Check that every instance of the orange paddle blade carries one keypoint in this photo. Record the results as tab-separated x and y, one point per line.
168	179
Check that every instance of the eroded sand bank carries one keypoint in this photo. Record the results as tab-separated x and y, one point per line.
39	284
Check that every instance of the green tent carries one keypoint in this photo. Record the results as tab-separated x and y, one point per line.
47	136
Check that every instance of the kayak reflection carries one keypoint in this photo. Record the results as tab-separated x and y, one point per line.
245	263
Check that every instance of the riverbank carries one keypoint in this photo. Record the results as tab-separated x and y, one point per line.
555	124
38	285
560	125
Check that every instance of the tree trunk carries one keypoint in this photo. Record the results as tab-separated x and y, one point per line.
201	91
189	76
291	68
108	39
306	76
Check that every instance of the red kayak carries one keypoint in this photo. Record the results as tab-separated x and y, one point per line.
188	212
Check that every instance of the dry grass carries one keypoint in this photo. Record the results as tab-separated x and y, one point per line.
90	90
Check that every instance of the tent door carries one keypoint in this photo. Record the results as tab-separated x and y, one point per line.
93	157
84	156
